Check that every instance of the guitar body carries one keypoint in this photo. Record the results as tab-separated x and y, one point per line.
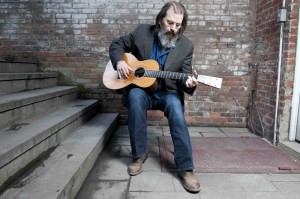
113	82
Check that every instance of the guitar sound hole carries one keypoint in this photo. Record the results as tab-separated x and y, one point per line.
139	72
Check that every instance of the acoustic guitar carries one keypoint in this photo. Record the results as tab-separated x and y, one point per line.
144	74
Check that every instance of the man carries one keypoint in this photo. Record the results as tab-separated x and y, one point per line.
166	44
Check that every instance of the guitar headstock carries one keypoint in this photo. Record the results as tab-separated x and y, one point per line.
211	81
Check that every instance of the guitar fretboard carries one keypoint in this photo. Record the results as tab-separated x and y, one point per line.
165	74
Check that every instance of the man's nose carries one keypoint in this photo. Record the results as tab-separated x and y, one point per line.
173	27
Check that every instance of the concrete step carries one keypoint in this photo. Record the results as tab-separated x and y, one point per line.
18	65
17	82
19	106
62	174
34	137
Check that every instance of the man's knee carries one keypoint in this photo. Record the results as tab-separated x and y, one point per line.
175	109
136	93
174	102
136	96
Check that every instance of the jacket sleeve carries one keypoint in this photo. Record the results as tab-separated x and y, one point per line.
187	68
120	46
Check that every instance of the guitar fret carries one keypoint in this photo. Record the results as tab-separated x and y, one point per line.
176	75
165	74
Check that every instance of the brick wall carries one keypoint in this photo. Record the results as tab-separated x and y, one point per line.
290	43
265	56
72	37
265	73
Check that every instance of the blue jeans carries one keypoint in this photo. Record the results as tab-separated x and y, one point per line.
138	102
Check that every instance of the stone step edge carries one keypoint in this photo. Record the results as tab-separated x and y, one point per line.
27	76
13	59
19	157
16	100
63	173
34	134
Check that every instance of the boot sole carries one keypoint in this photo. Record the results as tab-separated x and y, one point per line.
187	188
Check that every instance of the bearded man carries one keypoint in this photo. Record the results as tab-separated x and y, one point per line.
165	43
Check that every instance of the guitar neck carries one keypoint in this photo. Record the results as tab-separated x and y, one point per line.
165	74
208	80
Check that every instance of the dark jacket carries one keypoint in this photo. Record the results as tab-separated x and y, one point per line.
139	43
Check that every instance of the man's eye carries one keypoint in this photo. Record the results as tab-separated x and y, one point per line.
171	23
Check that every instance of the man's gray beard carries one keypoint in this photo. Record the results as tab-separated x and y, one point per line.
165	40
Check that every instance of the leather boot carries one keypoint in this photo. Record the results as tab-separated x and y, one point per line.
189	181
136	167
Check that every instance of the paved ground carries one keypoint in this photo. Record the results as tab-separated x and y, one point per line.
109	178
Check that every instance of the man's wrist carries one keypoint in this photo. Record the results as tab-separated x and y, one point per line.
119	61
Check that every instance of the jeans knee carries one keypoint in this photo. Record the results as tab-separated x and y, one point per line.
136	97
174	105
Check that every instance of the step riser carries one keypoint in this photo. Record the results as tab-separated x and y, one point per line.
13	169
24	85
13	116
15	100
17	67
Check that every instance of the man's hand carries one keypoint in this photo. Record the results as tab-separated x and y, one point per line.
123	69
191	81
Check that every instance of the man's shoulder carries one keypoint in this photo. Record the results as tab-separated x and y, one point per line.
185	40
146	27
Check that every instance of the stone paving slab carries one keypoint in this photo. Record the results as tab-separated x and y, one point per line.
161	195
223	182
153	150
282	178
111	167
237	132
105	189
209	130
152	164
243	195
152	183
290	190
254	183
214	134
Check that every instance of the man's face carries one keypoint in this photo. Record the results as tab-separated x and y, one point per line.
171	23
169	28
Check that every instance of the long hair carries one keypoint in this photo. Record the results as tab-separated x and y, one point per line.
178	8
